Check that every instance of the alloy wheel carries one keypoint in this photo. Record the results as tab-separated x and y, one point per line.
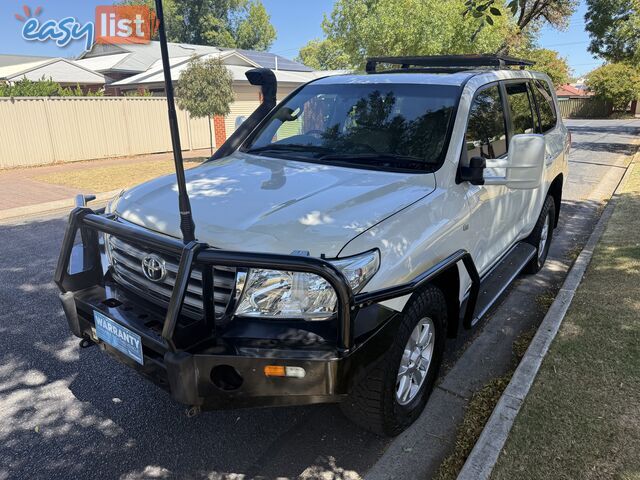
544	236
415	362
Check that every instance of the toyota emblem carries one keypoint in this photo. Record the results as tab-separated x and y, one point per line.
154	268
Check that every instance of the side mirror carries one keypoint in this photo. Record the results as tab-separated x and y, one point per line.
524	165
474	173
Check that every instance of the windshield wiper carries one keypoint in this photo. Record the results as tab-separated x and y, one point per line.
288	147
379	159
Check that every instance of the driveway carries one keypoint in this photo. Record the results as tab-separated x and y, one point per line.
72	413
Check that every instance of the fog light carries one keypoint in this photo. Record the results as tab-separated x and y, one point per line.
283	371
274	371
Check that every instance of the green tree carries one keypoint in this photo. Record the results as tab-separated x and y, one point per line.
526	13
528	16
549	62
614	28
205	89
617	83
358	29
41	88
255	31
221	23
324	55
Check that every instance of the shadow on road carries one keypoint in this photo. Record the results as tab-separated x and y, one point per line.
612	129
616	148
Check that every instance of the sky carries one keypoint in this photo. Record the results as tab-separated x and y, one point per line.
296	21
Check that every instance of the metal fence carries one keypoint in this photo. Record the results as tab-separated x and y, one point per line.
584	108
45	130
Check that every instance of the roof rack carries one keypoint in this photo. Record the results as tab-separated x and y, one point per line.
448	63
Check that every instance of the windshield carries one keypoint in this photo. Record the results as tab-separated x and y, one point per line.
383	126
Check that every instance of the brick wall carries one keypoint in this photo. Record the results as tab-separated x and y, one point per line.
220	130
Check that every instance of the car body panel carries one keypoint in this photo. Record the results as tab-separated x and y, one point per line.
273	205
397	78
461	215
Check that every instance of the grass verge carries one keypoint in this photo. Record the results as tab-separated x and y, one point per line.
112	177
581	419
478	412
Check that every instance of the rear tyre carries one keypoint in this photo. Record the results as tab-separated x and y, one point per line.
397	388
541	236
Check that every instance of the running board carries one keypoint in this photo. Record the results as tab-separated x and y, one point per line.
494	283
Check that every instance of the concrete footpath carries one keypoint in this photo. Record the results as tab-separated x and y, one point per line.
22	192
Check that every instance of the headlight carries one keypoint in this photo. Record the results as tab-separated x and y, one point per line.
280	294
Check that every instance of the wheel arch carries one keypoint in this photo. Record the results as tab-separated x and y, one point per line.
448	281
555	190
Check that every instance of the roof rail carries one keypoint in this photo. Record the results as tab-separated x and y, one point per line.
448	63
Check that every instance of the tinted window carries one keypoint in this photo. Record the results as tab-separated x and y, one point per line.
546	108
520	102
381	125
486	135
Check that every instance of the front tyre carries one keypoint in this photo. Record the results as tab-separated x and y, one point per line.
541	236
397	388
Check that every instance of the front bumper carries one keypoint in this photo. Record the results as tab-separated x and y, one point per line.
228	372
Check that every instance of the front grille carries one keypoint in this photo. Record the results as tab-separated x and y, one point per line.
127	259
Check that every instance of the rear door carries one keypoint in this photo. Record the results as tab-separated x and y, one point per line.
550	126
522	119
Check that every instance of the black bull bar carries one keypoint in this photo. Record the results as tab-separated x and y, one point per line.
89	223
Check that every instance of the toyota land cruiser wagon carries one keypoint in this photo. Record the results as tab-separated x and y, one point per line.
342	235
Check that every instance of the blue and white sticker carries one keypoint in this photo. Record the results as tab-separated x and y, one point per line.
119	337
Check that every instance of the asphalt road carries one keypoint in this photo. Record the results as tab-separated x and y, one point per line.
71	413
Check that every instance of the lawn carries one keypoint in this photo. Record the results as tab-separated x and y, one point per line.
581	419
105	178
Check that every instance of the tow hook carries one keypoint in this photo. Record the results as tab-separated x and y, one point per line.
86	343
193	411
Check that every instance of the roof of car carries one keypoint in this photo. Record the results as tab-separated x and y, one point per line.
417	78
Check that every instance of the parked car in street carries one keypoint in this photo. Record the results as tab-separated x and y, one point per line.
343	235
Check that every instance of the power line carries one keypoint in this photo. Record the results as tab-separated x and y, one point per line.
567	43
287	50
589	63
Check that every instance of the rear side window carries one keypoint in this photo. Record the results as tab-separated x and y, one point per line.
546	107
521	107
486	133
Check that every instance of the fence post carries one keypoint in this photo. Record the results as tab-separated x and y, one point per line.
47	113
129	129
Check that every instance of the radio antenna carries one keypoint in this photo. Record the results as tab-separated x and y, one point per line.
187	227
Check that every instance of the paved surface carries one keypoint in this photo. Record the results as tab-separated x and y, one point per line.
20	187
71	413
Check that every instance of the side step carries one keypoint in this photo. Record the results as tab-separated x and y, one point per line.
498	279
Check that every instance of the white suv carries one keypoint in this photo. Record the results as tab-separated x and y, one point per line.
344	234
